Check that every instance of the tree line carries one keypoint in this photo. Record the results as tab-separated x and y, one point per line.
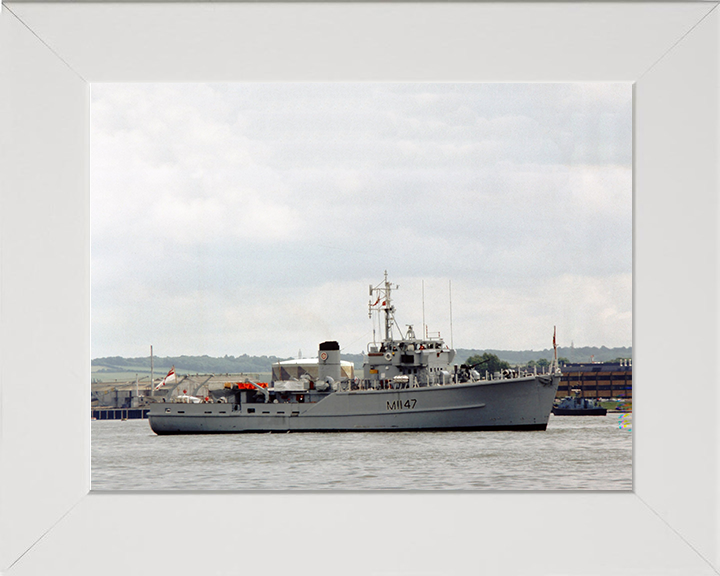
193	364
492	363
244	363
568	354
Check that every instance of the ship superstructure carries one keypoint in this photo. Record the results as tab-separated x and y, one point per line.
409	360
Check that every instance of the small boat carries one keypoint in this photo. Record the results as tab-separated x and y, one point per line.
622	407
187	399
576	406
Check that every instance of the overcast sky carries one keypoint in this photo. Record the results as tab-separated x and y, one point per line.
251	218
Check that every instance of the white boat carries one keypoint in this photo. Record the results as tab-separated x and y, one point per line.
408	383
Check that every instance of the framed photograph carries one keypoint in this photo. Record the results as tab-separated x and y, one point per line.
50	56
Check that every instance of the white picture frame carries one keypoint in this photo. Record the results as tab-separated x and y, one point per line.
50	522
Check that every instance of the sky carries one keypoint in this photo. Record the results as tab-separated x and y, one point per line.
232	219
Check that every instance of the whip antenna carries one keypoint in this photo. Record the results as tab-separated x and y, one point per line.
451	327
424	329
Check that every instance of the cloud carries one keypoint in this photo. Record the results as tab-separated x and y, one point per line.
234	207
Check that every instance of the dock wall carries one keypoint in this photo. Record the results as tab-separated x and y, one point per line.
119	413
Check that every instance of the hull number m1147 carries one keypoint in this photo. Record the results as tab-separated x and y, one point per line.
399	405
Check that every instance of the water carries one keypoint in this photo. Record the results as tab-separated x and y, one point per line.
574	453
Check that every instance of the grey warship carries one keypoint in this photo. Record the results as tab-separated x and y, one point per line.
408	383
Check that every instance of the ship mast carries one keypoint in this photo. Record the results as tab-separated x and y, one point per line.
383	303
389	309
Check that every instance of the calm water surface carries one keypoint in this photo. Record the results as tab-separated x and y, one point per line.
574	453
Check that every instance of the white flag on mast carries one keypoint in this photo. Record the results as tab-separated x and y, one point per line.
171	377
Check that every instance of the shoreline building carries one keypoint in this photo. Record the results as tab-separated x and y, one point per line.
597	379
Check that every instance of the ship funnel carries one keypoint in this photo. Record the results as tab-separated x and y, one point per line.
329	361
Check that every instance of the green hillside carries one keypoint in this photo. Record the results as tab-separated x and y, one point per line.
254	364
584	354
186	364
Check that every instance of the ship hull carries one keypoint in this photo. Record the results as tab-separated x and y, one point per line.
509	404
